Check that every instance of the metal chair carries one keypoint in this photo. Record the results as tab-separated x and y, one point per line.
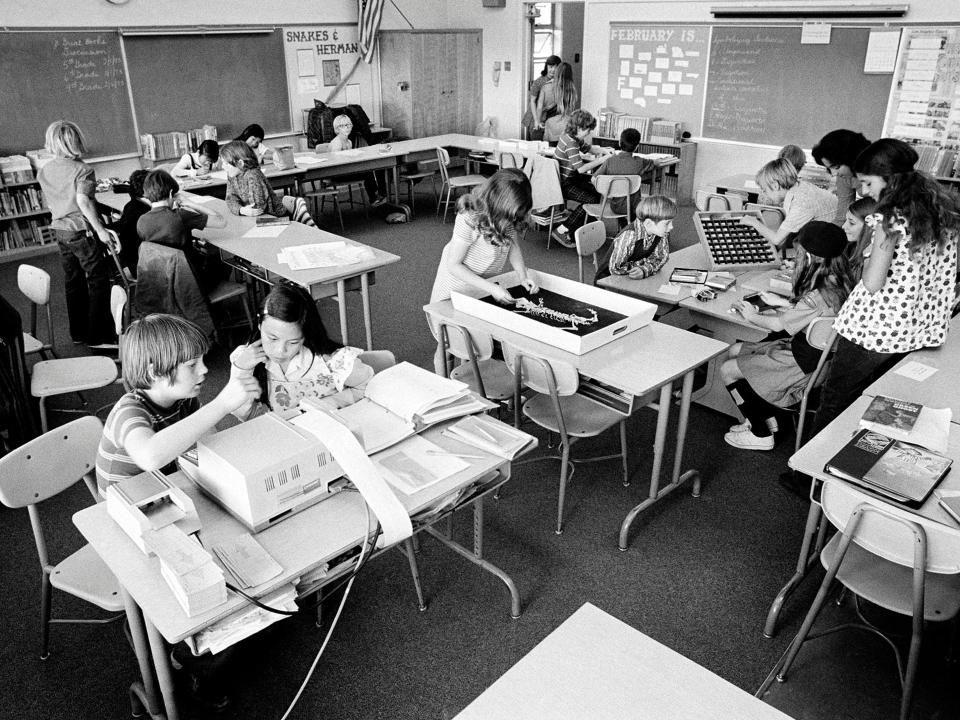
348	182
712	201
547	194
317	193
510	160
425	169
558	408
820	335
38	471
454	182
485	375
772	215
589	238
611	187
34	283
890	557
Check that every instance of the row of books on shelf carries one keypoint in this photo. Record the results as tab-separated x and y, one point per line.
15	169
23	234
611	123
938	161
165	145
21	200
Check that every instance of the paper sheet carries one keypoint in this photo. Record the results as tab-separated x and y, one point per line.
360	469
265	231
247	561
318	255
916	371
417	464
308	160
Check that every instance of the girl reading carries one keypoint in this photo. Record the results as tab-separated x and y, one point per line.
249	191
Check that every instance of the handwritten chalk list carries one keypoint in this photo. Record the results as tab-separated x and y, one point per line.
658	71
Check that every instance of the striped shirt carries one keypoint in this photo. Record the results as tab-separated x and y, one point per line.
134	410
805	202
567	154
482	257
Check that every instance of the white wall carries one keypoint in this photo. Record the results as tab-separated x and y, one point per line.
714	159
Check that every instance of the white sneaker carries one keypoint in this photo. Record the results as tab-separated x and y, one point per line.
746	440
772	424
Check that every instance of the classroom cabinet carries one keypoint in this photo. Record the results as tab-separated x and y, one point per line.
431	81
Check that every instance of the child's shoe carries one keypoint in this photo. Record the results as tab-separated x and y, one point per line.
562	235
746	440
772	424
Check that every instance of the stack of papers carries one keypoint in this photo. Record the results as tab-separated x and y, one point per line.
189	570
417	464
483	432
247	561
320	255
244	623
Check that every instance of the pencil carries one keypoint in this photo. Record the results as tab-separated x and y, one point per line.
453	454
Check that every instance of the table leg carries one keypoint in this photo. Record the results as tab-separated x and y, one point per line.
803	564
144	690
342	302
396	186
161	663
365	297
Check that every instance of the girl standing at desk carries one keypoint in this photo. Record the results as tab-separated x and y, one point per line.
490	222
249	192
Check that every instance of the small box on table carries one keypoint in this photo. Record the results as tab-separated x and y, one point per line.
570	315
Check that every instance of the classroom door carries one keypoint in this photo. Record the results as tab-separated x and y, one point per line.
430	67
468	99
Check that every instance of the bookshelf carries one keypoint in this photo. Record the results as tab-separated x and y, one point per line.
678	179
24	226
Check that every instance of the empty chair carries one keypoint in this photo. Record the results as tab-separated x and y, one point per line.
772	215
424	169
610	188
485	375
713	202
509	160
589	238
316	193
34	283
890	557
347	181
452	182
38	471
558	407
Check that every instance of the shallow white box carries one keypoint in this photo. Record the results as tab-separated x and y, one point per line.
638	312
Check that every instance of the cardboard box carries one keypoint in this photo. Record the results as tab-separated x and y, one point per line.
638	312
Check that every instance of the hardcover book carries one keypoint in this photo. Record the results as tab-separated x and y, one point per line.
900	471
908	421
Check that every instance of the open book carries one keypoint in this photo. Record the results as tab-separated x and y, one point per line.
487	434
404	399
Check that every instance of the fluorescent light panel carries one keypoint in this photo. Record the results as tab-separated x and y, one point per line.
839	10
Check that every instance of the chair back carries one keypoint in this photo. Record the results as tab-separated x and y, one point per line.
615	186
466	344
510	160
378	360
589	237
34	283
322	148
713	202
889	531
545	376
118	306
820	333
772	215
443	160
49	464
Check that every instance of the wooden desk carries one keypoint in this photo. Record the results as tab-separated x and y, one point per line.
596	666
810	460
641	364
301	543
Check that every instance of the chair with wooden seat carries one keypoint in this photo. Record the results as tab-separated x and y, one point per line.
773	216
888	556
227	289
452	183
34	283
38	471
611	187
424	169
589	238
510	160
557	407
347	182
316	193
484	374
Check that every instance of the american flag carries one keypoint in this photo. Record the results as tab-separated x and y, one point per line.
369	22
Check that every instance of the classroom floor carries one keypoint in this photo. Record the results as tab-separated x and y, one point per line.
699	574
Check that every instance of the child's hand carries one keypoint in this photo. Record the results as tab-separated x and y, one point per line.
747	310
502	296
636	273
749	221
250	211
774	300
239	391
245	358
529	285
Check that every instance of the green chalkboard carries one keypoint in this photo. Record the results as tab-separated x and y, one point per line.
78	76
764	87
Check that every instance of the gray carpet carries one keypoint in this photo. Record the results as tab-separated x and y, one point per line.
698	577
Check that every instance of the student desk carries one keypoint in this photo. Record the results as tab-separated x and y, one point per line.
741	184
596	666
810	460
301	543
639	365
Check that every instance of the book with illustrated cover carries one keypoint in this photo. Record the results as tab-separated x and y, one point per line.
490	435
271	220
898	470
688	275
908	421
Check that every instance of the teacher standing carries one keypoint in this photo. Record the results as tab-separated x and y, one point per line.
542	103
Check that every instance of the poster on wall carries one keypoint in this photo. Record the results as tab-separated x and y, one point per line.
317	58
925	102
659	71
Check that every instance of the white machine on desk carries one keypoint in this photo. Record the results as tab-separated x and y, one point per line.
149	502
264	470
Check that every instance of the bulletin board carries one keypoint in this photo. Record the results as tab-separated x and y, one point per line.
659	71
317	58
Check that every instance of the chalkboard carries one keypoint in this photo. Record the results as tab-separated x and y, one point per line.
230	80
763	86
78	76
659	71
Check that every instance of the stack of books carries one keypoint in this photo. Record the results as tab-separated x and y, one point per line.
165	145
665	132
16	169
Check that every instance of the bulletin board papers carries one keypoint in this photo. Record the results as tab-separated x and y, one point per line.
320	255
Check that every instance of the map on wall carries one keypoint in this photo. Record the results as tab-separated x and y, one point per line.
659	71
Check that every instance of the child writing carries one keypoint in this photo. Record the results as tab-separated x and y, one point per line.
68	186
296	359
802	202
249	192
199	163
643	248
762	376
343	126
906	292
171	221
859	234
490	222
161	416
626	163
253	135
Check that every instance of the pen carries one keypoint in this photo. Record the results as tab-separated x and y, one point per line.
453	454
480	431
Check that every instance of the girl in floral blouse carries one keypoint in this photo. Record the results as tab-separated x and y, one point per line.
907	291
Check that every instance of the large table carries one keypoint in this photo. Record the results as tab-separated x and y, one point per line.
596	666
643	365
300	544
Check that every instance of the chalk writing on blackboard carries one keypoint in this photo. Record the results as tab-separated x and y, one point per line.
89	63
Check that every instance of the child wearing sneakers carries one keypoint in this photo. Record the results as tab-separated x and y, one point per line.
762	376
643	248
